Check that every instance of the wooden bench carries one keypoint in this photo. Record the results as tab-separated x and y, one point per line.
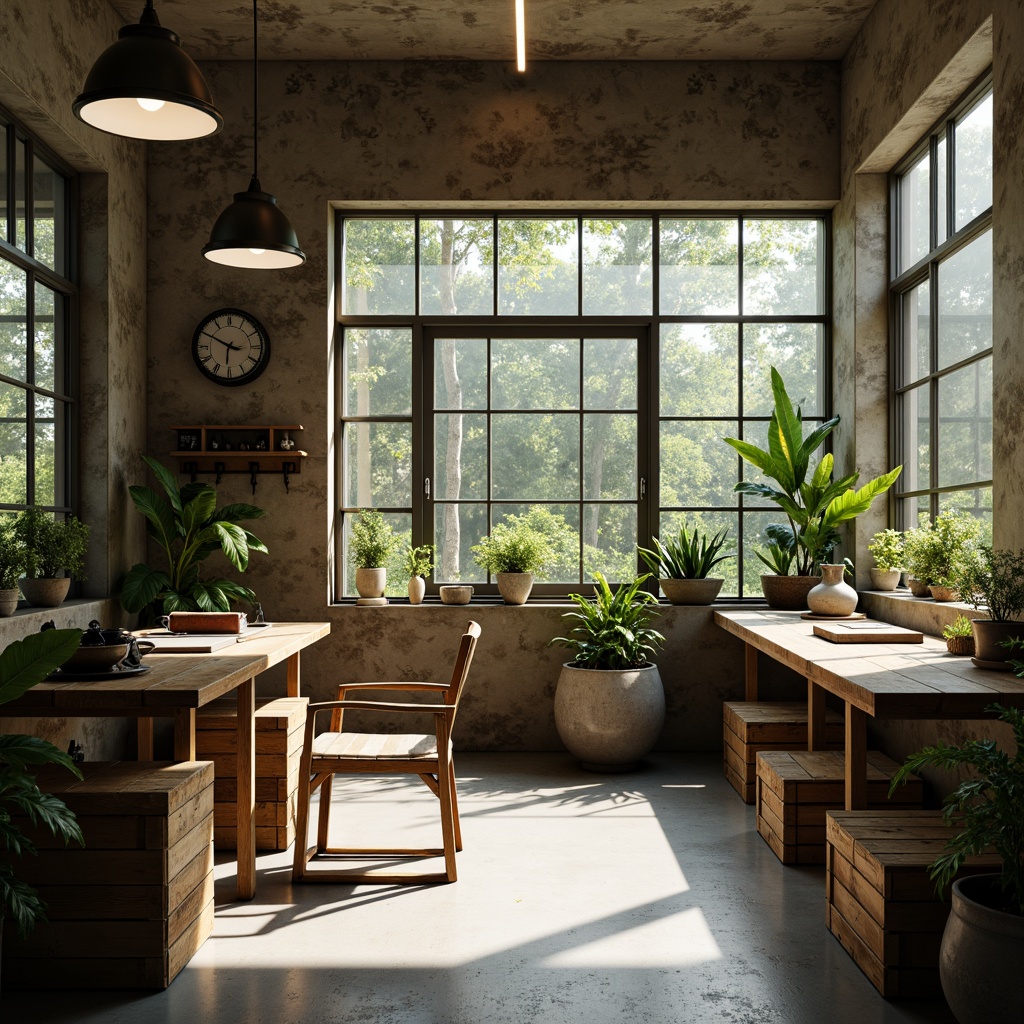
131	908
881	904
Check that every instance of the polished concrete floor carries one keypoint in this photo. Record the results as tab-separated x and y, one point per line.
643	898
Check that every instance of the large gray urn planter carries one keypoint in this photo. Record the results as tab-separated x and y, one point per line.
45	591
692	591
609	718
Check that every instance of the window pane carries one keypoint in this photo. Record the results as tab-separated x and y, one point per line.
609	456
915	235
699	370
50	346
697	467
560	524
609	542
917	319
401	527
755	538
965	301
538	261
699	267
380	266
377	371
460	456
378	465
617	278
978	502
3	180
48	221
13	445
13	321
965	425
535	457
797	352
781	267
917	440
460	373
457	267
941	189
20	196
973	162
709	523
535	373
50	433
609	373
456	529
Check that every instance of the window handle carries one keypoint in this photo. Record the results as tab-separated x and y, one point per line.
426	487
643	488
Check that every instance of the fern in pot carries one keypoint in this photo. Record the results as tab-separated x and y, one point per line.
514	554
370	545
994	580
683	565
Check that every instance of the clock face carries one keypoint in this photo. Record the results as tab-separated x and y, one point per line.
231	347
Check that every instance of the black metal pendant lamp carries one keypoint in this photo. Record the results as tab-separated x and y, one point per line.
145	86
253	232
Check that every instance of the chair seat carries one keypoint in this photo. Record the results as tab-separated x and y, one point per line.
375	746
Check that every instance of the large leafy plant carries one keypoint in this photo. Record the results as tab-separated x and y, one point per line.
189	528
613	630
24	663
690	556
51	546
814	503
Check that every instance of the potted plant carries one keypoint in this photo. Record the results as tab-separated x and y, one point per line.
418	562
12	565
609	702
937	552
370	545
189	527
983	944
514	553
683	564
959	636
994	580
886	548
814	503
54	552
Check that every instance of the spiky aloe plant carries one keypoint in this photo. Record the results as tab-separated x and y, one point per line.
690	556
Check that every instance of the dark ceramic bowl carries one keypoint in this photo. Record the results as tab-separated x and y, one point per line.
96	658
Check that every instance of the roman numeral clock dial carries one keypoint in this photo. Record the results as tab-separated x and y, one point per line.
231	347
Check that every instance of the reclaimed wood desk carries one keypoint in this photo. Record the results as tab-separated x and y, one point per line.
905	681
176	685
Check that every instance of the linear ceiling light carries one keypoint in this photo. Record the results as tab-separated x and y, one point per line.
145	86
520	35
253	232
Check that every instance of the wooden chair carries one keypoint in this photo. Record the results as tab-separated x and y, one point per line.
356	753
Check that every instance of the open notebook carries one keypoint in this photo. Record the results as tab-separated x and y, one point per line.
200	643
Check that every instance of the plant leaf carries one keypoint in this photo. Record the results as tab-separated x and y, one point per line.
167	482
142	586
23	663
233	543
160	515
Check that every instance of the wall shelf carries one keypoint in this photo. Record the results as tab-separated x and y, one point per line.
250	448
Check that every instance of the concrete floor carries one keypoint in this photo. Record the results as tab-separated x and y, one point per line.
644	898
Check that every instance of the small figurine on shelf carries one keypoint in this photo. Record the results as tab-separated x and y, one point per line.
214	443
243	446
286	444
261	445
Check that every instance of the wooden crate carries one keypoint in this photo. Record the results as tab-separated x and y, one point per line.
795	789
879	901
279	726
130	908
748	727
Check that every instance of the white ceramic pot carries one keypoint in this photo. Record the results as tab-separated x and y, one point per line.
885	579
45	591
833	595
371	582
8	602
417	588
702	591
515	587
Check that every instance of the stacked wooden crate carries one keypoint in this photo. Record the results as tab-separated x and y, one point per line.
881	903
795	789
279	726
130	908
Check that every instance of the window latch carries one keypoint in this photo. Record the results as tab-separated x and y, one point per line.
426	487
643	488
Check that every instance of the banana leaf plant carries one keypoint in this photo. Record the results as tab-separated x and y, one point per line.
189	528
814	503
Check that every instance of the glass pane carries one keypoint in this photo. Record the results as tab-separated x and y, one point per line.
460	456
609	373
915	227
538	267
48	221
699	370
709	523
917	440
917	321
457	267
782	267
697	467
609	542
561	525
965	301
535	373
754	538
50	468
377	372
379	258
609	456
699	267
797	352
973	162
617	267
535	457
978	502
378	465
3	180
13	445
456	529
13	321
941	189
401	528
965	425
460	373
915	510
49	348
20	196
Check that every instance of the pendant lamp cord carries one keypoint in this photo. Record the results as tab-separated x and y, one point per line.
255	96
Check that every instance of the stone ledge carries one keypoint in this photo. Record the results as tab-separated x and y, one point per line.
901	608
75	613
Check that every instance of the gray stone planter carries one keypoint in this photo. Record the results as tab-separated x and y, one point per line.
371	582
8	602
702	591
988	640
885	579
45	591
515	587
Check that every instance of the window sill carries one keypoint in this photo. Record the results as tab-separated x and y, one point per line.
901	608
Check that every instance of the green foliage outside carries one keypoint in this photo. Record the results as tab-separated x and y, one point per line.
52	547
371	541
887	550
12	555
690	556
938	552
513	547
993	580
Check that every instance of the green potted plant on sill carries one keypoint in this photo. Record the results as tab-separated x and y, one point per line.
12	565
683	565
886	548
370	545
936	553
959	636
993	580
514	553
418	563
54	555
609	702
983	943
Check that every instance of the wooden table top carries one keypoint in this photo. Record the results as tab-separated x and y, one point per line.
174	680
891	680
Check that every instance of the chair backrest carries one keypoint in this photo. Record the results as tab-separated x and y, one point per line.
461	671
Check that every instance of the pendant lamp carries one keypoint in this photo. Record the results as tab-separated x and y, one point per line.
145	86
253	232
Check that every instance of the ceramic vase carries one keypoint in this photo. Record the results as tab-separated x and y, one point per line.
515	587
832	596
417	588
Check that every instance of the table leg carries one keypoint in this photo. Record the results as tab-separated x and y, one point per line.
816	734
750	674
293	675
185	734
246	774
856	759
144	735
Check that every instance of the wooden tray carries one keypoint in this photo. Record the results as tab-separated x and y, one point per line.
866	632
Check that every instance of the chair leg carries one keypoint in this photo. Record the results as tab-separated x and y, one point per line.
455	804
324	821
447	821
301	855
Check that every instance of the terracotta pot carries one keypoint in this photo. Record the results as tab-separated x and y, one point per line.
989	636
702	591
943	593
417	589
788	593
45	591
833	595
9	602
963	645
371	582
885	579
918	587
515	587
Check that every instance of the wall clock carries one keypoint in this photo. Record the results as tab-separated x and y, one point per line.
231	347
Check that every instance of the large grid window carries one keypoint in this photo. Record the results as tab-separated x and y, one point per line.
941	300
580	371
37	297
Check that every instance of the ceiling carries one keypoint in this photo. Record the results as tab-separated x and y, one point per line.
484	29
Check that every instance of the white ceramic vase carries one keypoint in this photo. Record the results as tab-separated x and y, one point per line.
832	596
417	588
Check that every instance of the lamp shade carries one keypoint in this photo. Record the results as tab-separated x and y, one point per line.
254	233
145	86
